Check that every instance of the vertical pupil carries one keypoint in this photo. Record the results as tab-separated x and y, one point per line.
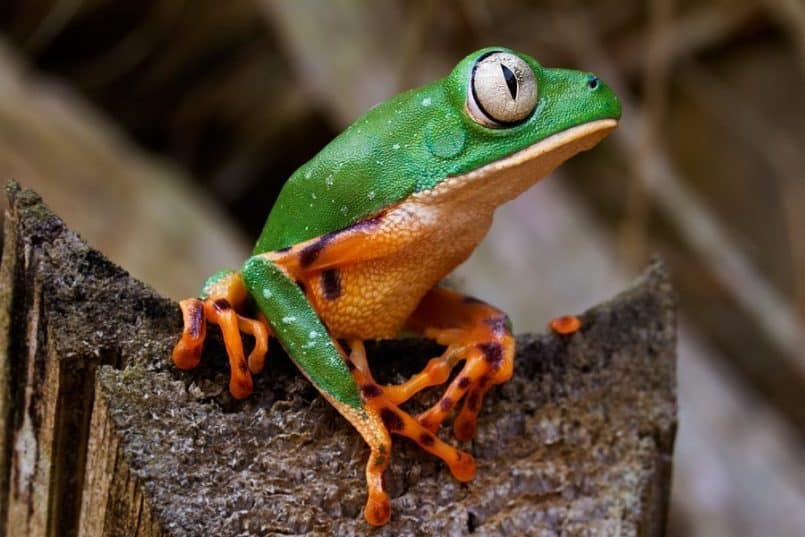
511	80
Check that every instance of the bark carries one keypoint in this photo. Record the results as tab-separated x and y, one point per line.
100	435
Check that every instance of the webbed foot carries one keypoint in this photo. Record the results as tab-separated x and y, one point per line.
385	418
473	331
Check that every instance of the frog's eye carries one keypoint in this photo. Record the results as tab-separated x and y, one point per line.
503	90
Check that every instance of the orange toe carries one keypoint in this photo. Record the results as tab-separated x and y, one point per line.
566	325
463	469
378	509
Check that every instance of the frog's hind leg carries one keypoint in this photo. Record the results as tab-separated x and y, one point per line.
379	419
222	293
344	382
473	331
399	422
376	421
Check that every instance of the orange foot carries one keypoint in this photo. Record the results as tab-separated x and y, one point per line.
384	417
473	331
218	308
565	325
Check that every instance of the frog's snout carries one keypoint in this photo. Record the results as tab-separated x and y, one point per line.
609	102
580	96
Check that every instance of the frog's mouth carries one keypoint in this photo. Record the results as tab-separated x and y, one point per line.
506	178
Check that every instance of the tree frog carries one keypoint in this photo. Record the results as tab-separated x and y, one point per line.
361	235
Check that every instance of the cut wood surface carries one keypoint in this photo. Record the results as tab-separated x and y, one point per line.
102	436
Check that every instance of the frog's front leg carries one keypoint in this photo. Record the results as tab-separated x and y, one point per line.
473	331
344	382
221	295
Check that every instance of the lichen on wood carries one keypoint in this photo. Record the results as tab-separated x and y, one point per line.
579	442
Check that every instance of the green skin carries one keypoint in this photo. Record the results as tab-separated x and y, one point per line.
410	143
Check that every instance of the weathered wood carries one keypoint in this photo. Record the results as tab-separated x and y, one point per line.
65	311
101	436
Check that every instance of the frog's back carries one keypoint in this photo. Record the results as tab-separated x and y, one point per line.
324	195
366	168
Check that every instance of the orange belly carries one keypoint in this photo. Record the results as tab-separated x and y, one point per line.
374	298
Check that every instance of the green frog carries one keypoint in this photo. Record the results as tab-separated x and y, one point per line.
360	236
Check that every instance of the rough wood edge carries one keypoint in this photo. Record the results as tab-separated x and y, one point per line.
113	502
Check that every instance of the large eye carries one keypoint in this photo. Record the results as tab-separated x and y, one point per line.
503	90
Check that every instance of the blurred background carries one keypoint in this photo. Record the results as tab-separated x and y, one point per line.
162	130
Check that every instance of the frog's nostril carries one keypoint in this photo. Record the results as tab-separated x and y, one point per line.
593	82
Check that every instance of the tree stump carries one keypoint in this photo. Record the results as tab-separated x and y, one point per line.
101	435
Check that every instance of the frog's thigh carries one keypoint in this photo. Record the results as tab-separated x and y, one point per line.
473	331
297	326
307	342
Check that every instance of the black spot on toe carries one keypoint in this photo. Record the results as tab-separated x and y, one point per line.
391	420
473	401
195	319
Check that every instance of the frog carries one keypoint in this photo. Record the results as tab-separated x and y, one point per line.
360	237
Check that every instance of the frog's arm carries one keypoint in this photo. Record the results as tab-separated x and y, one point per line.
342	381
378	236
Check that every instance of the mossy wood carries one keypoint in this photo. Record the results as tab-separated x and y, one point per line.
100	435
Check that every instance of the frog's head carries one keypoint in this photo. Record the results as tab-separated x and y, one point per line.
510	121
511	94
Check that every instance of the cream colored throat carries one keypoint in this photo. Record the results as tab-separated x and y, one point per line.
505	179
